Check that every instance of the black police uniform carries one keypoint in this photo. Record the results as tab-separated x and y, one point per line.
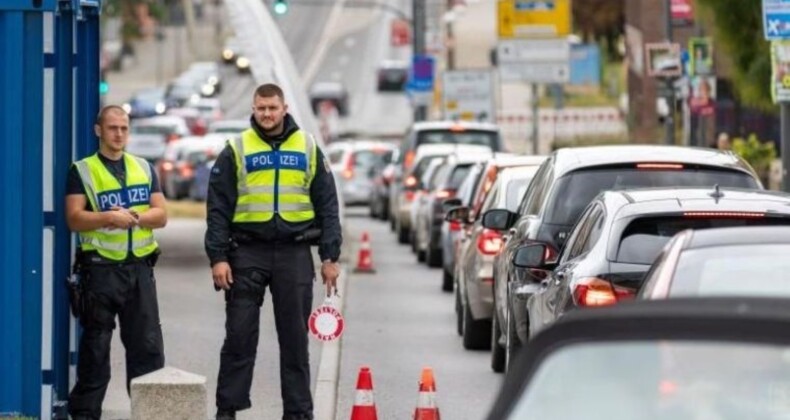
267	254
110	288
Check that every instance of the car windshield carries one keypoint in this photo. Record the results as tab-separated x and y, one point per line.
742	270
473	137
516	189
457	176
577	189
643	238
667	379
368	158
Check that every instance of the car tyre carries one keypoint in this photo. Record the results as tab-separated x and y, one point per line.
403	234
512	343
476	333
433	256
447	281
497	351
459	323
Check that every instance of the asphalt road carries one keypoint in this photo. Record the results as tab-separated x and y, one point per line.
399	321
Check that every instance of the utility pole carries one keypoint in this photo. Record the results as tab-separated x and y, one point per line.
418	46
670	85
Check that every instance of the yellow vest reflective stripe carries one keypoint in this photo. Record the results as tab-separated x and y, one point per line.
274	181
104	192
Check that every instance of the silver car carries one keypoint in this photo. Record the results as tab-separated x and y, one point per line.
352	163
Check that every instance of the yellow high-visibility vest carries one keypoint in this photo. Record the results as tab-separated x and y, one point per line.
105	192
274	181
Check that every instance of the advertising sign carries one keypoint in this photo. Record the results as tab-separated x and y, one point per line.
776	19
700	56
468	95
682	12
663	60
702	95
780	71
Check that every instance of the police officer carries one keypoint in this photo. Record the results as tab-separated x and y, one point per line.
269	190
114	202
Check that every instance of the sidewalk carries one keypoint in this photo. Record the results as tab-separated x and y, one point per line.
156	63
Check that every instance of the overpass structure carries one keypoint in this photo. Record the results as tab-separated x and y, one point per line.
49	50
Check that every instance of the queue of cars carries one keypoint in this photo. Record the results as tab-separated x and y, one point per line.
530	244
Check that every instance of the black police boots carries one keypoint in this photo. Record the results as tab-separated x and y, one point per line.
226	415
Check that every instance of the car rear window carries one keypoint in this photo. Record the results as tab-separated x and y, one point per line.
368	158
721	271
473	137
516	189
643	238
153	129
577	189
458	176
335	156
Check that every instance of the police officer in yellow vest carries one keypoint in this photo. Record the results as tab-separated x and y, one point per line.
114	202
268	190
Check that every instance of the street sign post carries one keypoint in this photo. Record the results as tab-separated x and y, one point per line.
534	60
468	95
533	18
776	24
421	79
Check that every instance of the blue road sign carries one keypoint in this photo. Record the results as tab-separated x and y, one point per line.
776	19
422	74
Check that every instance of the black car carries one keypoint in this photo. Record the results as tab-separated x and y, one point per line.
620	234
740	261
564	185
381	174
682	359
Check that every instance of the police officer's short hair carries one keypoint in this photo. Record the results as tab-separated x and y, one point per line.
267	90
107	109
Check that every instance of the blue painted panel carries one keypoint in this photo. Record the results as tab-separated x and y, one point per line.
87	89
29	5
585	64
11	45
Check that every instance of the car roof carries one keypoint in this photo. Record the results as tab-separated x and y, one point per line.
746	235
230	123
735	319
517	172
361	145
449	148
448	124
160	120
683	199
573	158
503	161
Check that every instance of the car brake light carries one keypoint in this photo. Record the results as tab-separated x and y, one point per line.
445	194
724	214
457	129
167	166
408	159
489	242
594	291
675	166
172	137
348	173
455	226
409	196
410	182
186	170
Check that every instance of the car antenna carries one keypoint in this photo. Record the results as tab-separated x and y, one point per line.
717	194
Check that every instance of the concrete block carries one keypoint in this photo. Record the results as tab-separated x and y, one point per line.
169	393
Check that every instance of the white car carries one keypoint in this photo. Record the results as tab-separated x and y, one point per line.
352	163
149	137
229	127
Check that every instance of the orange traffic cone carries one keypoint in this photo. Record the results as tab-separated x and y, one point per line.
426	399
364	260
364	406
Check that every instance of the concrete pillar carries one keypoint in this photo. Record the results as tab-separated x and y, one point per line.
169	393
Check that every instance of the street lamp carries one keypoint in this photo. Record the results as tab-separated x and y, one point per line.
280	7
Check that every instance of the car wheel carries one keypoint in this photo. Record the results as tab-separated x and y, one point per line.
433	256
476	333
403	234
413	241
447	281
512	343
392	223
459	323
497	351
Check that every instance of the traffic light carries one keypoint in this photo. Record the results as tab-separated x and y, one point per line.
280	7
104	87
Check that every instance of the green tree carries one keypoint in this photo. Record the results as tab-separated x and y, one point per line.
600	21
738	31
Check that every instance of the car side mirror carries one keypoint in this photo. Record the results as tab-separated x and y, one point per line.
449	203
531	256
457	214
499	219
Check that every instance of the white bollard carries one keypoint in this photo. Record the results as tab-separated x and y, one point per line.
169	393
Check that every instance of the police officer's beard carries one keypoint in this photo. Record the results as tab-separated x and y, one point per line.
276	130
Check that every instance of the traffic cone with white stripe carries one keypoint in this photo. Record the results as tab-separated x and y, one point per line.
365	260
426	399
364	406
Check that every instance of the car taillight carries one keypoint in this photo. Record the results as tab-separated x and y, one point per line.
186	170
594	291
172	137
445	194
167	166
408	159
410	181
659	166
455	226
489	242
348	172
409	196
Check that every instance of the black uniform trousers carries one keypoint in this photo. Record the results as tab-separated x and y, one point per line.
127	290
287	269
